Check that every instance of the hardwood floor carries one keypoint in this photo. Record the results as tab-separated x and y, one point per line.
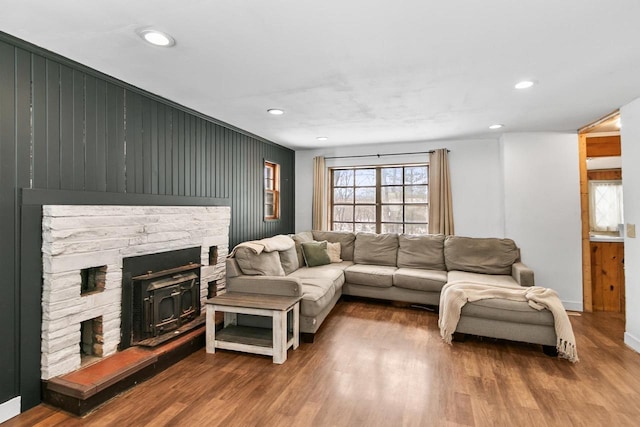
373	364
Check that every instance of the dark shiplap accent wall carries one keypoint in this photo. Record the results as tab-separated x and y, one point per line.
67	129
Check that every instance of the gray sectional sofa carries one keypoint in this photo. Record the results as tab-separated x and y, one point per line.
395	267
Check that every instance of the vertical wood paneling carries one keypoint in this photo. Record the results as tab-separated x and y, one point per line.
53	125
39	94
79	160
91	129
100	135
65	127
116	146
8	325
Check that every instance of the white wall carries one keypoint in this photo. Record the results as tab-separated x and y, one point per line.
476	180
630	136
542	208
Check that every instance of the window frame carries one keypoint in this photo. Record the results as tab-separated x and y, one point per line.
378	223
271	188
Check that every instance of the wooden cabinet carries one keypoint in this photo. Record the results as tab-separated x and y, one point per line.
607	276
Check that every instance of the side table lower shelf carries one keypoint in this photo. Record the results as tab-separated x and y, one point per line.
275	341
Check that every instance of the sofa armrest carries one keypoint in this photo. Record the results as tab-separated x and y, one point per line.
269	285
522	274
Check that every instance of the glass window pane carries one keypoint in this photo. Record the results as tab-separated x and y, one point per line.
391	176
365	214
416	229
343	195
416	194
268	210
391	213
268	184
343	213
343	226
416	175
268	172
392	228
365	195
365	177
365	228
416	213
343	178
391	194
268	197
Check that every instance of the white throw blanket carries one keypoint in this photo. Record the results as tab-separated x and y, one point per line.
270	244
455	295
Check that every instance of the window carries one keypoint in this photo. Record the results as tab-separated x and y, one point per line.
271	191
384	199
605	205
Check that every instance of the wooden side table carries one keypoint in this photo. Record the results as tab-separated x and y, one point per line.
284	333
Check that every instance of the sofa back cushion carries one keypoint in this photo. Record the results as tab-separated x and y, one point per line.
376	249
299	238
289	260
263	264
345	239
426	252
480	255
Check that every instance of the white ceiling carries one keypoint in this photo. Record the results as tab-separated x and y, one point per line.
358	71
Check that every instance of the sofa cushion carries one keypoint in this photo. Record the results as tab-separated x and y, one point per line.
289	260
332	272
421	251
370	275
420	279
345	239
315	253
316	295
489	279
507	311
263	264
299	238
376	249
480	255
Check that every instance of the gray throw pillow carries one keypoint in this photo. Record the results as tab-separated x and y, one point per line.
315	253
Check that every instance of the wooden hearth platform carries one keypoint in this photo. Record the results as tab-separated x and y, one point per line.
85	389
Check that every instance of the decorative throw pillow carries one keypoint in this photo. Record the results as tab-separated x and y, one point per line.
315	253
333	249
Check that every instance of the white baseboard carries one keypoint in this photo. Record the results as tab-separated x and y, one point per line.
9	409
573	305
632	341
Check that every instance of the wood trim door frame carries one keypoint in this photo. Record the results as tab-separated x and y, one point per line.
587	292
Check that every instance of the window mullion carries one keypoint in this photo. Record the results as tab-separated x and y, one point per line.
378	200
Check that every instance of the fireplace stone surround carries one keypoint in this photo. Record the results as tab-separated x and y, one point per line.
80	238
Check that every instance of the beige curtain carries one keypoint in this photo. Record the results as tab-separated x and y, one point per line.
440	202
318	219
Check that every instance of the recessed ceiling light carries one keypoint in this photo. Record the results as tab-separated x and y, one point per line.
157	38
275	111
496	126
322	138
525	84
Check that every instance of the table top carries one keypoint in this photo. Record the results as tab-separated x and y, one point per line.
269	302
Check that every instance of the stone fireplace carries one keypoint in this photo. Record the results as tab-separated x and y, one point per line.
84	250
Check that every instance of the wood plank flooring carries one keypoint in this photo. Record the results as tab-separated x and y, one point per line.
374	364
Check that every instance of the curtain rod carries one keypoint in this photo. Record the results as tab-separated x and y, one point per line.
382	155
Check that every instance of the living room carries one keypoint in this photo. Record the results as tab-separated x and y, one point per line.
521	182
